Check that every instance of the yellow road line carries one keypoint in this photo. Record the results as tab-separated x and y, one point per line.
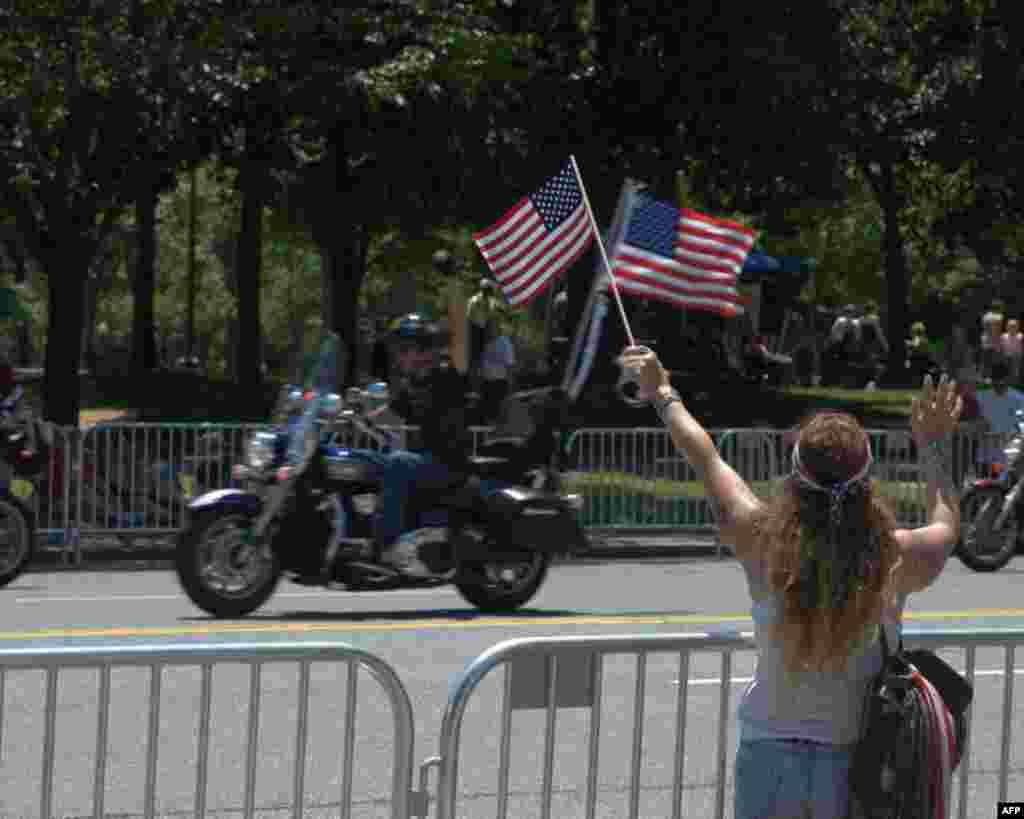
450	624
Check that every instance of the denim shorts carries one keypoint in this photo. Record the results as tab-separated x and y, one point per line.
792	779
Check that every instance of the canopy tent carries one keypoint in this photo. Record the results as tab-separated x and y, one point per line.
759	264
11	309
771	284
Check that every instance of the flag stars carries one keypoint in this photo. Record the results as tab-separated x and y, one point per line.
557	198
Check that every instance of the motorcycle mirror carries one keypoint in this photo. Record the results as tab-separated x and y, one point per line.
330	405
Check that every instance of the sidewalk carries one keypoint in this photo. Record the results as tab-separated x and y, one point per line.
628	544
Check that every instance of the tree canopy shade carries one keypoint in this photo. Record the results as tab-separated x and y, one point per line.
359	119
97	103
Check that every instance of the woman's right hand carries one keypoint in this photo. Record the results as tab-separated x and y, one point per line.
650	374
934	413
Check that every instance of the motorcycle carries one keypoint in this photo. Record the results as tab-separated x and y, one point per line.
307	505
992	511
25	444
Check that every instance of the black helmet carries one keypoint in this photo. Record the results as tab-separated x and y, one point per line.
416	330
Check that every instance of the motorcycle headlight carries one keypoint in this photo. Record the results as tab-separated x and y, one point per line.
260	454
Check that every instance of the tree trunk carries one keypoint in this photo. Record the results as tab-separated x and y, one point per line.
89	310
249	359
897	289
144	284
226	251
66	289
346	269
881	177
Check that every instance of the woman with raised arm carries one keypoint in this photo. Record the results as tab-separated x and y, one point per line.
825	565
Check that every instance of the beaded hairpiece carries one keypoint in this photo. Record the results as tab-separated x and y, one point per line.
828	574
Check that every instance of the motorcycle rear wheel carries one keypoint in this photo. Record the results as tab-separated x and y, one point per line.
502	586
219	572
980	548
17	539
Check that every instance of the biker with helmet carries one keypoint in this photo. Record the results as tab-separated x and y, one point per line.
431	365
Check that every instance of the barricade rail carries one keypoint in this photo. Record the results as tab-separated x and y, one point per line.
55	663
133	480
548	680
636	703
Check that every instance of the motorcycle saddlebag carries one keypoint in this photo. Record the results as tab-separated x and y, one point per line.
534	520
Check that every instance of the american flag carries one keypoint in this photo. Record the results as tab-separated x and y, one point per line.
682	257
541	236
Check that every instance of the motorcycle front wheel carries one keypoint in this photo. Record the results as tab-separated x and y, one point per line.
17	539
220	569
503	585
981	548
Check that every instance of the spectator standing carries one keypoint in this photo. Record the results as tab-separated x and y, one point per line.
998	411
919	359
481	310
959	358
991	333
496	369
966	438
7	376
1010	346
827	568
380	358
876	345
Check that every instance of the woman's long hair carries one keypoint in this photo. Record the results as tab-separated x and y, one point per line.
828	547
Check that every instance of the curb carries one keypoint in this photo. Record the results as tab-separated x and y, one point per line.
661	546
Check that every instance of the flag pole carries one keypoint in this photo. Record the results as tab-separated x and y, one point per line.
619	218
604	256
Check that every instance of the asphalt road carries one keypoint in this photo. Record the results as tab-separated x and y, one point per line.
428	637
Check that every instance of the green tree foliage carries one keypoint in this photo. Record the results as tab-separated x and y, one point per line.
88	95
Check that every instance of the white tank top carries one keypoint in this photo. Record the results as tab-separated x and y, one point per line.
823	707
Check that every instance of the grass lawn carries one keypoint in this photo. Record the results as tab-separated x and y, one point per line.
622	500
98	415
896	402
666	489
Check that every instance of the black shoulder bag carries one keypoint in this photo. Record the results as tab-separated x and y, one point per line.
888	767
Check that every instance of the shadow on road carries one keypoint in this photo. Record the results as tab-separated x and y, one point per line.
395	616
449	615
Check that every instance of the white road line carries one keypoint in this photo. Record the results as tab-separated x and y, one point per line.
114	598
985	672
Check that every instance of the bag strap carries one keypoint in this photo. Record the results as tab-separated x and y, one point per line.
886	653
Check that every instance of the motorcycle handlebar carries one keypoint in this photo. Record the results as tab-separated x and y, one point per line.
362	422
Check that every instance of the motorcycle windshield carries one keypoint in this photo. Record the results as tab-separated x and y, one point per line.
319	380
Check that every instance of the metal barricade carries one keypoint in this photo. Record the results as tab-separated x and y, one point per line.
574	693
133	480
633	478
89	702
53	493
